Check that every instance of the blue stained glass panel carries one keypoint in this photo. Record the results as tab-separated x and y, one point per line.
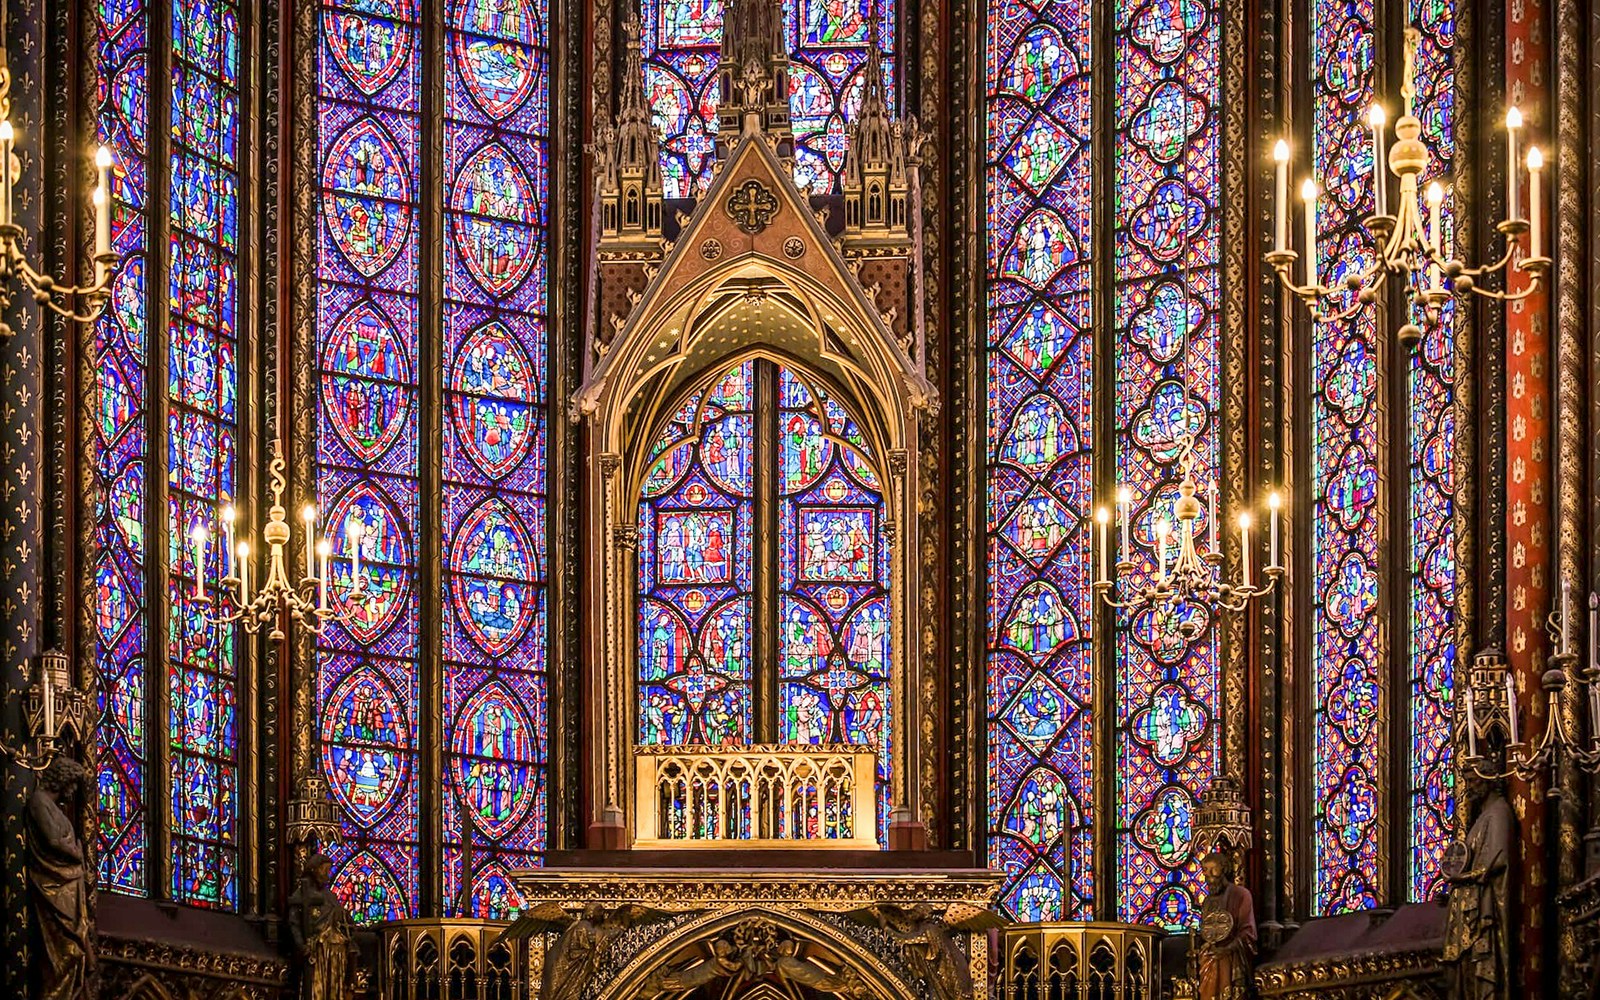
497	189
121	638
1348	644
1431	445
1167	243
1040	684
369	96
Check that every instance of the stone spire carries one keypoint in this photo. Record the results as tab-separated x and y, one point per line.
875	176
754	75
630	176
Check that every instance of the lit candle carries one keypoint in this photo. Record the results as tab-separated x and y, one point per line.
1376	119
309	515
1535	164
48	679
352	532
102	201
1472	727
226	516
244	573
1274	502
1244	546
324	551
199	535
8	136
1511	706
1211	516
1103	517
1125	503
1594	633
1280	156
1308	193
1436	225
102	232
1163	530
1513	122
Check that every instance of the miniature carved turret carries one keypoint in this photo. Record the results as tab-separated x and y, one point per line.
875	182
754	76
630	176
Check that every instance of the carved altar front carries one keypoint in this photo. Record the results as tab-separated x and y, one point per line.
795	928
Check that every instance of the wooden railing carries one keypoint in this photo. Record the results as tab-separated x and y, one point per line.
1080	961
772	795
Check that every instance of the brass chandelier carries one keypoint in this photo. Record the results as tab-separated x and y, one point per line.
1405	244
312	601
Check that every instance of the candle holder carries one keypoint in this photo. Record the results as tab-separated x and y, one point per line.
1193	578
1403	246
53	708
313	602
81	303
1492	715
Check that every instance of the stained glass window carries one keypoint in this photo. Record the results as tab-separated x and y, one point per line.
369	87
202	429
700	572
1431	440
497	128
121	598
828	45
1168	248
492	349
1348	651
695	571
1041	688
197	235
828	49
833	580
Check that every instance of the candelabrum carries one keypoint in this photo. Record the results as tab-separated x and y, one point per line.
312	602
83	303
1190	578
1404	244
53	708
1492	713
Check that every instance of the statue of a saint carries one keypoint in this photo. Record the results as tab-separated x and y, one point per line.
1227	940
1477	940
57	882
323	934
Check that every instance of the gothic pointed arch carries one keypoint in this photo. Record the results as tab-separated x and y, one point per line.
752	279
769	936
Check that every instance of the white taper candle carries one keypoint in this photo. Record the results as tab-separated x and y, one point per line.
1308	194
1513	164
1511	706
1244	548
1535	165
1280	156
1103	518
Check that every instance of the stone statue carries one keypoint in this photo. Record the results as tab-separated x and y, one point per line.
928	944
574	960
1477	939
1227	943
323	934
58	882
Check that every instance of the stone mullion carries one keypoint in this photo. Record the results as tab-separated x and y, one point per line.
293	388
1265	433
1570	370
21	489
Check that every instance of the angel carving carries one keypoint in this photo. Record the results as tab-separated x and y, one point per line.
926	936
573	961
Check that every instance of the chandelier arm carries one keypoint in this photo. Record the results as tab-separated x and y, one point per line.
1535	283
48	292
